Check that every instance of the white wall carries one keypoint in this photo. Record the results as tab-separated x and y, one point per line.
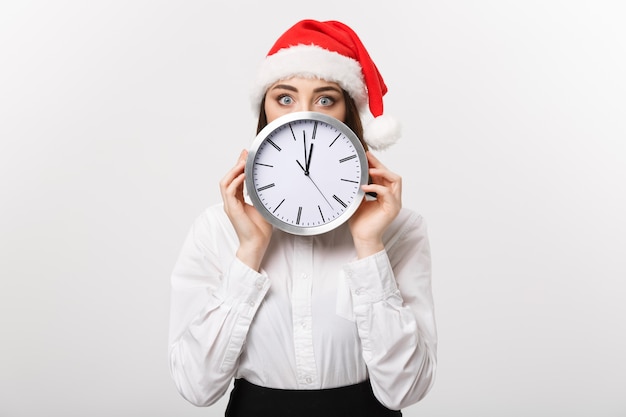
118	118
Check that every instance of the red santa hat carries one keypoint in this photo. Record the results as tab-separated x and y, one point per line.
331	51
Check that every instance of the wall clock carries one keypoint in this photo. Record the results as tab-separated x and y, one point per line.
304	173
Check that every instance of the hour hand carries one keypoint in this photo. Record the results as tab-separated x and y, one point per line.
306	172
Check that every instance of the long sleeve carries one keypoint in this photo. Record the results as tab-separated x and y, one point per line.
214	298
394	312
324	322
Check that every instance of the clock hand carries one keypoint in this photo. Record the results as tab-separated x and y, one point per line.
306	160
309	177
303	169
320	191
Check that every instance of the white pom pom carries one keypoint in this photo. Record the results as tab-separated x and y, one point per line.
382	132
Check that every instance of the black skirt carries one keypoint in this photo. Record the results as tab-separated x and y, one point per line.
249	400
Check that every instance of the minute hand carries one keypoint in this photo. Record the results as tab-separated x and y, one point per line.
308	161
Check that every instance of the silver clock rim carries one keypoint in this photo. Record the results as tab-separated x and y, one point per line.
256	201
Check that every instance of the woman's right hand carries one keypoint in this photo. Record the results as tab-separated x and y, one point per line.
253	231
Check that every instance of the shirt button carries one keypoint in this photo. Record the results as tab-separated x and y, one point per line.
251	303
308	379
304	276
359	291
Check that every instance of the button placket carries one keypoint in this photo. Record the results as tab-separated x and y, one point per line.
301	310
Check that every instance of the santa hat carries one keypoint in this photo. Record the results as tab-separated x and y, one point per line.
331	51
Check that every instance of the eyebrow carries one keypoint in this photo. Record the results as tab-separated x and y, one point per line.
285	87
317	90
327	88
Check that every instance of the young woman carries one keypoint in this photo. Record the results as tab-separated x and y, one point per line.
337	324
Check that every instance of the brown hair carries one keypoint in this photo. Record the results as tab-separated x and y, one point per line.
353	120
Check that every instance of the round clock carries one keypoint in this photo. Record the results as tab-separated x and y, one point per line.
304	173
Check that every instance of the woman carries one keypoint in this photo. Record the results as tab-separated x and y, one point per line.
336	324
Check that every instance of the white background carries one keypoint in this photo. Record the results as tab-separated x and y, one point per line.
118	118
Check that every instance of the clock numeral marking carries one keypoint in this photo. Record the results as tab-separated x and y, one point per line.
265	165
335	140
314	130
347	158
299	214
292	134
339	201
279	204
347	180
321	214
274	145
265	187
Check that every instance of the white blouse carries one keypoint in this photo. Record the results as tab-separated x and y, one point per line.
314	317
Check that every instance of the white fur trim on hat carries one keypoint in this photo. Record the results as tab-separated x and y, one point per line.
310	61
381	132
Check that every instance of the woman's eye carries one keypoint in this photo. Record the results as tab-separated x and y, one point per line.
326	101
285	100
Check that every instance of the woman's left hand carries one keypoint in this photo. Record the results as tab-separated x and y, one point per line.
373	217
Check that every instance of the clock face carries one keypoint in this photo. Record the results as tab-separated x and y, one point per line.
304	173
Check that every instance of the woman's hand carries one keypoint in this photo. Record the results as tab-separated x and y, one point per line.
253	231
373	217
